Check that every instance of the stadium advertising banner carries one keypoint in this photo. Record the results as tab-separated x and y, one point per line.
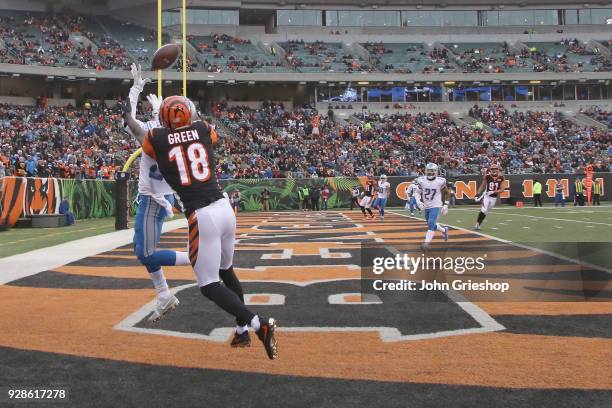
23	196
284	192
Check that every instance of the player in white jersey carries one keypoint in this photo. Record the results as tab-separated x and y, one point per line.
435	201
413	195
155	201
384	187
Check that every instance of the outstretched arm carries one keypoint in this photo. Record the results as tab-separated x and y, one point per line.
132	124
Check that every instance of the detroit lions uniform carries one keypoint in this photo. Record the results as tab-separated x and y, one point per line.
431	197
384	187
155	202
413	194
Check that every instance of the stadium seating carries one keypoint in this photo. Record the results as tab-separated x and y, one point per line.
273	142
62	142
565	56
541	141
223	53
409	58
600	115
483	57
323	57
35	39
40	39
139	42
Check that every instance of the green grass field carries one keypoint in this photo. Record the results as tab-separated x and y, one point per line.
550	228
19	240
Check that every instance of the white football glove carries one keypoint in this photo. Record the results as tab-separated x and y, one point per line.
139	82
444	210
478	198
155	102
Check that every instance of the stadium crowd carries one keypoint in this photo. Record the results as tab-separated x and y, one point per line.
543	142
32	40
40	39
272	142
220	55
599	115
324	56
62	142
306	143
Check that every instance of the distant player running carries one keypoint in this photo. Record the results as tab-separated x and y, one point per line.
435	201
492	186
413	194
368	198
155	201
384	187
183	149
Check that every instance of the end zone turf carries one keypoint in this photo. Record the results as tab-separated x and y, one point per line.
544	353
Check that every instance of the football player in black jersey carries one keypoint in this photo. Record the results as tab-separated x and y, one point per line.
183	149
492	186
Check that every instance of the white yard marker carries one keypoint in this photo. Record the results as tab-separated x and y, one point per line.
534	217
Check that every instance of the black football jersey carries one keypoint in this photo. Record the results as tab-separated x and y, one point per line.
493	183
370	189
186	159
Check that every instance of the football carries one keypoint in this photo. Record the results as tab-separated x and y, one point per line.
165	56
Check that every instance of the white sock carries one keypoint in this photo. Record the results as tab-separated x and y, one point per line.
242	329
159	281
255	324
182	258
429	236
440	228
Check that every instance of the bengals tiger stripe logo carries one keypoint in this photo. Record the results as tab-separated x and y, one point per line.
12	200
23	196
175	112
40	197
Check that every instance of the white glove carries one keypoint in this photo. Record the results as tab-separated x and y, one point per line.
478	198
155	102
139	82
444	210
